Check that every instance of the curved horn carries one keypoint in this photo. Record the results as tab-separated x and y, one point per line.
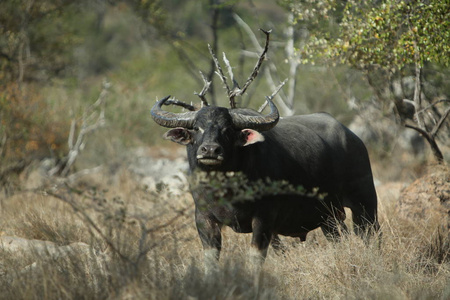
260	123
172	120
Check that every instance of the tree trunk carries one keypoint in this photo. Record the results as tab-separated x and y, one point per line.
431	141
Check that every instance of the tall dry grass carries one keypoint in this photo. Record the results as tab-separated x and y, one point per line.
144	245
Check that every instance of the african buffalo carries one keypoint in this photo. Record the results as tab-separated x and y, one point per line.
310	150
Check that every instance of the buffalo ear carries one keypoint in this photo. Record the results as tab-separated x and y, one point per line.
179	135
249	136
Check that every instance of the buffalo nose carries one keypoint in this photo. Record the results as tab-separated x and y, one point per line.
211	150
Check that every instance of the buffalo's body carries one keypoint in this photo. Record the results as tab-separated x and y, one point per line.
312	151
309	150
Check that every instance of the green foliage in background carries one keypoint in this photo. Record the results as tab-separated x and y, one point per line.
392	33
384	33
36	38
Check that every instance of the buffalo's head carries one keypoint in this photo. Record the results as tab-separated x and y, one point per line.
212	133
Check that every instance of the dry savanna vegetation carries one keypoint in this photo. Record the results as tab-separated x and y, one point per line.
93	204
109	236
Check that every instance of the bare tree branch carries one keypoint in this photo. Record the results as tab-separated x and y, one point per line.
440	123
236	91
434	104
272	96
71	134
230	73
229	68
288	111
293	61
92	119
204	90
215	13
257	66
431	140
219	70
73	177
418	87
90	222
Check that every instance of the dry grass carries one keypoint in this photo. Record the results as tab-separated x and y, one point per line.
144	246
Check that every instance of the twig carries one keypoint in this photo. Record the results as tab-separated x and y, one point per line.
235	84
71	134
169	222
292	59
273	95
230	73
90	121
267	71
430	139
84	172
236	91
433	104
440	122
229	68
219	69
257	66
418	86
206	86
90	222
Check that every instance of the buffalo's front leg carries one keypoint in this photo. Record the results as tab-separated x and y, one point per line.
260	241
209	231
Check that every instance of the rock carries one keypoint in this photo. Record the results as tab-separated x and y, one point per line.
42	248
154	171
46	253
390	192
16	244
427	197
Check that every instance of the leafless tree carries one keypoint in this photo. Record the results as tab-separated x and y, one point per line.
92	119
235	90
